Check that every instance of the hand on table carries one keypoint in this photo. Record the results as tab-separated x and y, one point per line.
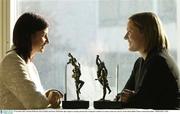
54	97
125	95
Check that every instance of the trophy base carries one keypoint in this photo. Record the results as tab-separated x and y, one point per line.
106	104
75	104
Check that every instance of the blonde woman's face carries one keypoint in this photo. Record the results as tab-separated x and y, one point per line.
134	37
39	40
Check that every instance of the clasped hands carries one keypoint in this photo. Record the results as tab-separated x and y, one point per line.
54	97
125	95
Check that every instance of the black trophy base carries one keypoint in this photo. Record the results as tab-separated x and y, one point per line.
75	104
106	104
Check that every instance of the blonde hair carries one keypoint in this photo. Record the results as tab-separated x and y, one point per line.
150	24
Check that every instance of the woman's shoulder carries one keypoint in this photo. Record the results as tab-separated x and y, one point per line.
162	56
12	65
163	59
12	58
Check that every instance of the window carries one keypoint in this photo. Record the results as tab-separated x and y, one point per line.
4	28
86	28
7	16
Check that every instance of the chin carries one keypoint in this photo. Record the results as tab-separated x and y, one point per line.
41	50
131	49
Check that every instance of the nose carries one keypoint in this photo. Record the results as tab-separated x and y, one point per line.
126	36
47	40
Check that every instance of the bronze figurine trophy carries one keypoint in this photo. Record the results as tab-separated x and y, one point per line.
76	104
102	76
102	73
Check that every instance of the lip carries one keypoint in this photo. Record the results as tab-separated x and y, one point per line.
43	44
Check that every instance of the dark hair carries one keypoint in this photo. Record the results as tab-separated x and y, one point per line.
26	25
150	24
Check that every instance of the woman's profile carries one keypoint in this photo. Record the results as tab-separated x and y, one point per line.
20	86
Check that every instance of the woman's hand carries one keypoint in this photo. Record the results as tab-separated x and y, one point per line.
125	95
54	97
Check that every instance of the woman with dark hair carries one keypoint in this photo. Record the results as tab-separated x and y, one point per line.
154	81
20	86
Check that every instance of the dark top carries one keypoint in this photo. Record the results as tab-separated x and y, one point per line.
155	82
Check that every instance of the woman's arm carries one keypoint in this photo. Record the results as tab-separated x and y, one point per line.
16	79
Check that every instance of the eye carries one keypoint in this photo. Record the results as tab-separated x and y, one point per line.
44	35
128	32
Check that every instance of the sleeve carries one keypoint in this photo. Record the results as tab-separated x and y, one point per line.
17	81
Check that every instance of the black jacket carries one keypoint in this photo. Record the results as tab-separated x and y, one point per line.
155	81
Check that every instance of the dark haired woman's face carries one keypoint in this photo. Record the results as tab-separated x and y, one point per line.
39	40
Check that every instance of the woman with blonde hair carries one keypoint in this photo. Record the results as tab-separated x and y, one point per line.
154	79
